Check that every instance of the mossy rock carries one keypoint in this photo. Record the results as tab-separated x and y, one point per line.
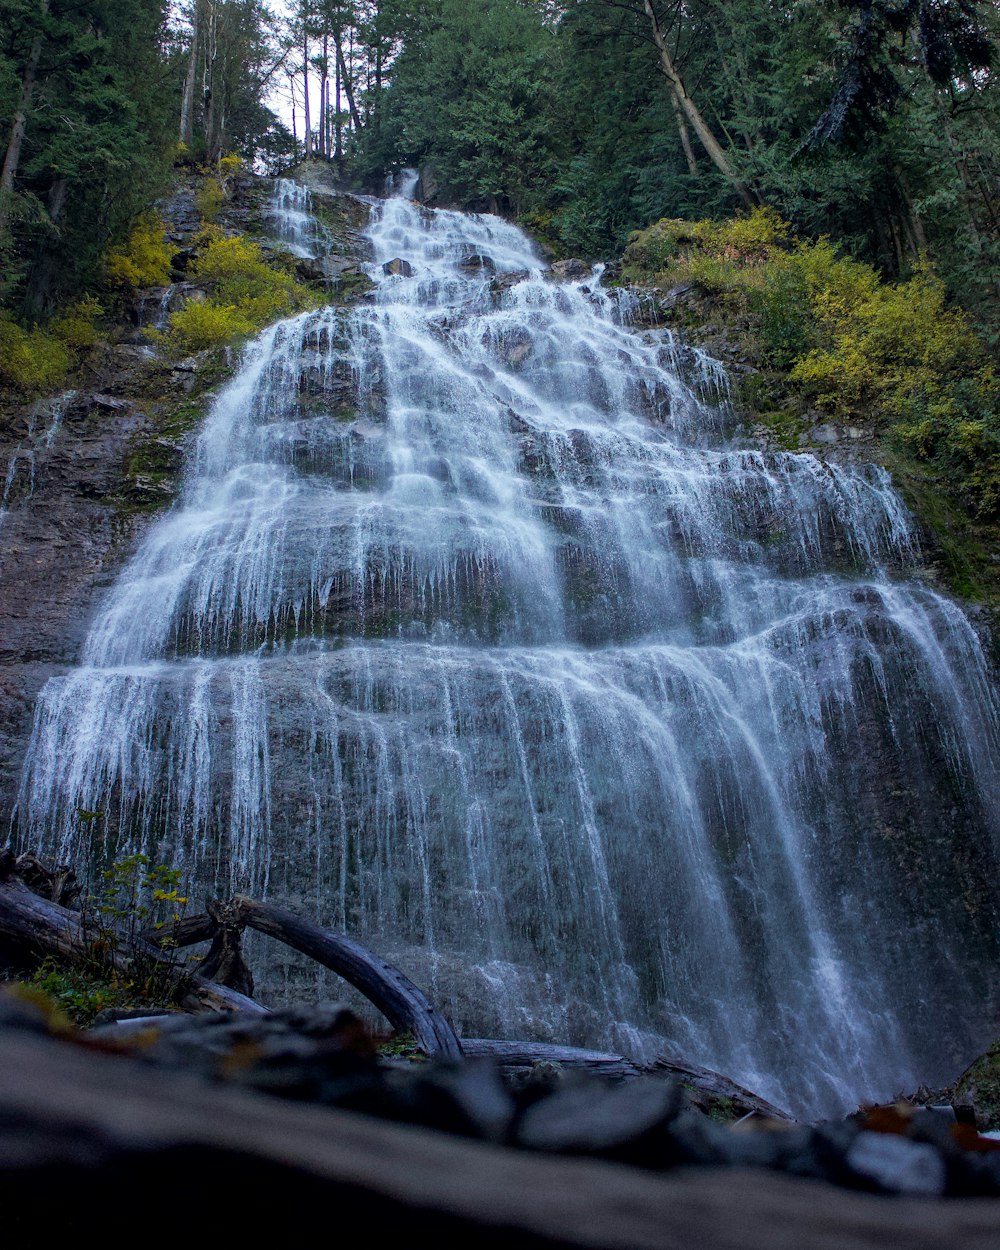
980	1085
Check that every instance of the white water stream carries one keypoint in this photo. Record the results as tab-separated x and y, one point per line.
476	634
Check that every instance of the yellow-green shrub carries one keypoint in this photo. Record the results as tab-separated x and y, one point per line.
210	198
718	255
229	166
245	295
885	345
32	360
76	326
144	260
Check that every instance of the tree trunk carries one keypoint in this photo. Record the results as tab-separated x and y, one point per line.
13	156
692	113
324	111
305	90
211	52
30	924
295	125
685	135
187	99
348	88
338	149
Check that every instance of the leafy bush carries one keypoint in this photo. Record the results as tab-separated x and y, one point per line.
120	969
851	343
31	361
718	255
886	346
246	294
210	198
38	359
76	326
144	260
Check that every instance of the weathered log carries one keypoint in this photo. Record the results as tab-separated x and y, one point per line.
404	1005
522	1056
224	962
708	1090
188	931
83	1132
35	925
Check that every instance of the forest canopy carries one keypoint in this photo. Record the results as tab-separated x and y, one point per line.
873	122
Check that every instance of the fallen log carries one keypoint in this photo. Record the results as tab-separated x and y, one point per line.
39	927
710	1090
522	1056
403	1004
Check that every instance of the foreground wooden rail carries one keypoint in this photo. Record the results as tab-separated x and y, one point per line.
82	1133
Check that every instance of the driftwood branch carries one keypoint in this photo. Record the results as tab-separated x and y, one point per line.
404	1005
223	981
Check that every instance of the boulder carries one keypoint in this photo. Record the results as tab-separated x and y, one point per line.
979	1085
477	263
401	268
504	281
570	270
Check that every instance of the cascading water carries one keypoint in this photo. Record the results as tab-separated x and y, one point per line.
476	634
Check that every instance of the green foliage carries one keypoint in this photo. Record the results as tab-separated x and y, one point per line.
79	993
31	361
39	359
887	346
852	343
120	970
143	259
96	139
247	294
474	93
210	199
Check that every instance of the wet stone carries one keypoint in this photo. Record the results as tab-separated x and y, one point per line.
398	267
895	1165
624	1122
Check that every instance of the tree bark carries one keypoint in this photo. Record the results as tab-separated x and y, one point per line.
682	130
716	153
12	158
187	98
338	147
305	87
348	88
404	1005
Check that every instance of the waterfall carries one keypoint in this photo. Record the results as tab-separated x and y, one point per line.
478	633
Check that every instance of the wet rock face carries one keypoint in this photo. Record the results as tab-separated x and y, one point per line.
60	532
82	473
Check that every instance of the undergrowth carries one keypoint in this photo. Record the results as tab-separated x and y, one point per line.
847	342
246	293
120	968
